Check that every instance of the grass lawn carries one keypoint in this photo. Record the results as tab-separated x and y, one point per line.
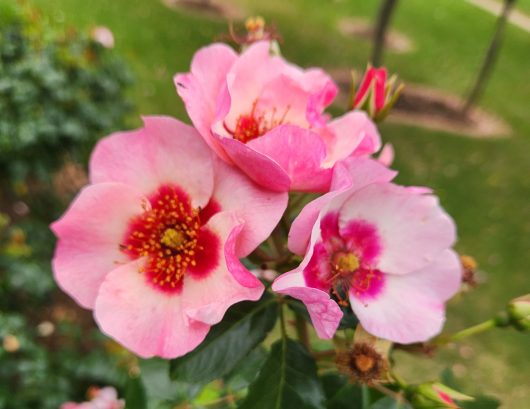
484	184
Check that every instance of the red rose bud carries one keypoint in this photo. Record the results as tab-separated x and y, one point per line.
519	312
377	93
429	395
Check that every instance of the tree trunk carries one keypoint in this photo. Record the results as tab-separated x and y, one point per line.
383	19
489	59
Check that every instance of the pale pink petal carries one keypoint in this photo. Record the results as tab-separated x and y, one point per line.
439	280
299	152
325	312
89	236
414	229
260	209
386	156
286	99
410	308
357	172
248	76
145	320
351	134
322	92
208	298
351	174
260	168
200	89
165	151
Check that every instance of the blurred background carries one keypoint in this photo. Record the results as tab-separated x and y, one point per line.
72	71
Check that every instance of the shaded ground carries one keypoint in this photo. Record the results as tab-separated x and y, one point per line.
434	109
431	108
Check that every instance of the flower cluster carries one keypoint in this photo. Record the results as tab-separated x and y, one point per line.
153	244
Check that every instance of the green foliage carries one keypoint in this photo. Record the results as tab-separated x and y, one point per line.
287	380
390	403
58	93
242	329
135	395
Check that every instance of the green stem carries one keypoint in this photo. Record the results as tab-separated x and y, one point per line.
399	380
475	329
301	331
365	397
282	322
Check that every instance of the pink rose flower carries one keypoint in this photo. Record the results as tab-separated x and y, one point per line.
266	116
104	398
380	248
152	245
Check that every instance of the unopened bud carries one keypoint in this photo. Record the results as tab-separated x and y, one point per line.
519	312
377	94
437	395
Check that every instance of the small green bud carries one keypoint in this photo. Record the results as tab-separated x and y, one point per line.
519	312
435	394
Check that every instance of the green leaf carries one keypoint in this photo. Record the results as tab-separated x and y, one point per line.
244	326
288	380
159	388
135	397
347	397
332	383
247	370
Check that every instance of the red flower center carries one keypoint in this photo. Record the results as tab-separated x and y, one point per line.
348	276
171	236
253	125
344	262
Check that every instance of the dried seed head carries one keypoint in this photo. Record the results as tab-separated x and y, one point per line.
362	364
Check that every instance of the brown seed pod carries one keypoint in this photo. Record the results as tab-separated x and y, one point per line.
362	364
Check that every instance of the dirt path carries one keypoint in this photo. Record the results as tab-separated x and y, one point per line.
494	7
